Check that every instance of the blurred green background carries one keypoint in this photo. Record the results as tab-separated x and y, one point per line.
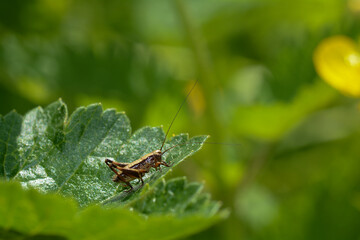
296	171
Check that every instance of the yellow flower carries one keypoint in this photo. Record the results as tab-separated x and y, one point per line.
337	61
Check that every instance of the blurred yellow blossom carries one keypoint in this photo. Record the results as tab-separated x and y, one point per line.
196	99
337	61
354	6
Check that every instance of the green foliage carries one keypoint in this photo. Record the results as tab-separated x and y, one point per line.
46	151
29	214
271	122
176	196
293	174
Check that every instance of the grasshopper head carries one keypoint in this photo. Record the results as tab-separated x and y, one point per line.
158	155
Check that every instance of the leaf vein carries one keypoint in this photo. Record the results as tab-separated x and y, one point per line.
82	161
6	146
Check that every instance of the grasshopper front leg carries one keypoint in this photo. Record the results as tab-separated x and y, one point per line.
158	164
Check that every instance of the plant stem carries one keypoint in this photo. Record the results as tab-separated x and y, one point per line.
206	76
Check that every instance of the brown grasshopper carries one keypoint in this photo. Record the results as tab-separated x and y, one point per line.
126	172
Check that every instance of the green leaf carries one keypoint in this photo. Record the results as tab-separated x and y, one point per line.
176	196
27	213
46	151
51	153
9	130
317	129
272	122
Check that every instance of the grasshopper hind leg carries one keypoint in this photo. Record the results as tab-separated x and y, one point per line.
119	179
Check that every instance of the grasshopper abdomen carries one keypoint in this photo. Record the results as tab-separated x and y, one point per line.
126	172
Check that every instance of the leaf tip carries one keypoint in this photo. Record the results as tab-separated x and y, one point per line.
61	101
11	114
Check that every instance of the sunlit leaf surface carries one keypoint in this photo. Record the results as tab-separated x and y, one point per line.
51	153
45	151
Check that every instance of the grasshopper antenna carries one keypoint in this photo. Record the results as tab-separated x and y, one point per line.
167	132
218	143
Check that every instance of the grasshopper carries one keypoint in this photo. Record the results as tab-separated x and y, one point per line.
126	172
